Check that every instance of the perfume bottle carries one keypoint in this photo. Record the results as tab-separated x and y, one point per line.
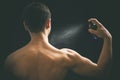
93	26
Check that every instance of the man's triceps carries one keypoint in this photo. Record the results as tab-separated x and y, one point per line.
82	65
85	67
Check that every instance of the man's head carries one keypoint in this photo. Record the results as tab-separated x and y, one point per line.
36	17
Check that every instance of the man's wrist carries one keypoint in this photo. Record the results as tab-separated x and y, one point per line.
108	37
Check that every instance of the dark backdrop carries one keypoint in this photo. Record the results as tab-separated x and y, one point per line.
67	17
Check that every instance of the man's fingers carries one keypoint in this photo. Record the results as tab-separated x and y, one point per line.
95	21
92	31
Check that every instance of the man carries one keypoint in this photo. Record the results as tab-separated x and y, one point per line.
39	60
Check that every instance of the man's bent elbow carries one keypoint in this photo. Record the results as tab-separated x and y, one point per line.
102	75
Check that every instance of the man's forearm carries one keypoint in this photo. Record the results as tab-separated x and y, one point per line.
104	60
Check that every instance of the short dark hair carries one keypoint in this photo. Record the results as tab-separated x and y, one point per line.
35	16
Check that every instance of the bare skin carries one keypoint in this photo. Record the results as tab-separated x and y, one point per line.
39	60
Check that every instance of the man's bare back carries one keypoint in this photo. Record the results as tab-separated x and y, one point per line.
39	63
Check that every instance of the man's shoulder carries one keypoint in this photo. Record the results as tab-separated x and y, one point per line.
71	54
69	51
12	57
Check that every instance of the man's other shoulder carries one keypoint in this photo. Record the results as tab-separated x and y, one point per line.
11	57
14	56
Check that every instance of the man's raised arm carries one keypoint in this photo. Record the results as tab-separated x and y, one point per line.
86	67
104	60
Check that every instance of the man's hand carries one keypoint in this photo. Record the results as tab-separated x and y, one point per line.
101	31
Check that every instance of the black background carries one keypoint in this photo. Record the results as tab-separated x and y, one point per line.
64	14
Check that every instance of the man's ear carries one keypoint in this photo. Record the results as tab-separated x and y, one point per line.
25	26
48	23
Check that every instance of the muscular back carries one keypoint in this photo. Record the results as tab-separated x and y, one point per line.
31	63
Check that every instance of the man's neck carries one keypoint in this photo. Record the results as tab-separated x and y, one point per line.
39	38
